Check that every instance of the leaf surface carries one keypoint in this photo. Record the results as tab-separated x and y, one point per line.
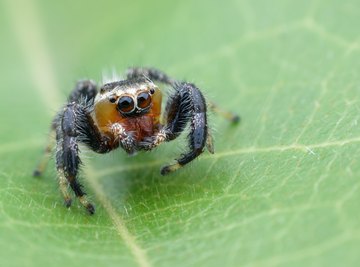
283	187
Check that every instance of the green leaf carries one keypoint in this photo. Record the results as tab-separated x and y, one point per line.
282	188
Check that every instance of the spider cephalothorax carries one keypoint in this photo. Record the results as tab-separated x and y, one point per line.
128	110
126	113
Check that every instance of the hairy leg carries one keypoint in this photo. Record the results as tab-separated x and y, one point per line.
75	125
67	155
187	104
85	92
198	136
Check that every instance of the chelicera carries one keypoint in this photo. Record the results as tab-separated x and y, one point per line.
126	114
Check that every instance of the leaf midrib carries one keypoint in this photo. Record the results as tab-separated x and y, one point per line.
48	90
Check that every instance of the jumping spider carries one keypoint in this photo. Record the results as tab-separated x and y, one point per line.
126	113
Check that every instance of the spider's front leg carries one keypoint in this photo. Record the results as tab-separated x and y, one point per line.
186	104
84	91
75	125
67	155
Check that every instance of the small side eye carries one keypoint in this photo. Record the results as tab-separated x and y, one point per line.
112	99
126	104
143	100
152	91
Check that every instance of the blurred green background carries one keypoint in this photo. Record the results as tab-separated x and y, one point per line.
283	186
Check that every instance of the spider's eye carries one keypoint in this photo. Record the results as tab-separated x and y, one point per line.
143	100
112	99
126	104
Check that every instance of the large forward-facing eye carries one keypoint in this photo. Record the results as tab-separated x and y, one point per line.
126	104
143	100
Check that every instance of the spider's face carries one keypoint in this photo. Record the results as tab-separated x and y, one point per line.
122	101
132	102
